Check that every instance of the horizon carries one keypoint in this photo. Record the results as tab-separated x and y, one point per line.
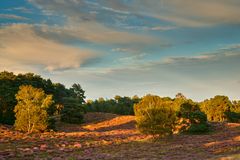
126	47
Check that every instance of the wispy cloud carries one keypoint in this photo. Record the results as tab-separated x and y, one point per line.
229	51
85	26
162	28
12	16
21	9
190	13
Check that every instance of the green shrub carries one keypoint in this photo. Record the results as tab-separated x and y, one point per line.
198	128
233	117
198	122
155	116
191	119
31	109
186	108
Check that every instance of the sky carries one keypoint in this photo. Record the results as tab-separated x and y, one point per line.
126	47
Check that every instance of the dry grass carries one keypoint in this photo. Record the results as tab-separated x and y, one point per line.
109	136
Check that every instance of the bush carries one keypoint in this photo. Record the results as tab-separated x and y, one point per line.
31	109
191	119
155	116
198	122
233	117
198	128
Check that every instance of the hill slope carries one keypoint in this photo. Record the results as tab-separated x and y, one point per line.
109	136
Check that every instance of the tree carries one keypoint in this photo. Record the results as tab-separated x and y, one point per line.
216	107
8	89
117	98
73	109
234	114
180	95
235	107
78	92
31	109
118	105
9	86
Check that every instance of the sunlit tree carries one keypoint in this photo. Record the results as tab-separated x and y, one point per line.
31	109
216	107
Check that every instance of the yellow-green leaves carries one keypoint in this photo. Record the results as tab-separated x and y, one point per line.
31	109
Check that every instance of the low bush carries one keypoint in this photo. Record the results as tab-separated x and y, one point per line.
155	116
198	122
191	119
233	117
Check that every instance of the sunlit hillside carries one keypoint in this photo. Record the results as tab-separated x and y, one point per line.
109	136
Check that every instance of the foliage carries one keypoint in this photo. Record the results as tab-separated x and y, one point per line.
198	122
31	109
73	110
234	114
8	89
155	115
233	117
118	105
216	107
180	96
191	119
235	107
9	86
165	116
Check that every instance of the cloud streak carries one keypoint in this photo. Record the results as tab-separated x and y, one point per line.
97	33
185	13
12	16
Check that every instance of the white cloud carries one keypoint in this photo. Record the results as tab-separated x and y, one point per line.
20	45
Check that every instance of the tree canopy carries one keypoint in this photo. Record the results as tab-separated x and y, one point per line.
31	109
9	86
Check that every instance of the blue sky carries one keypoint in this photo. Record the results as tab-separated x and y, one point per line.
126	47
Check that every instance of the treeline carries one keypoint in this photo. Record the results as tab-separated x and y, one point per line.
165	116
117	105
218	108
66	102
33	104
